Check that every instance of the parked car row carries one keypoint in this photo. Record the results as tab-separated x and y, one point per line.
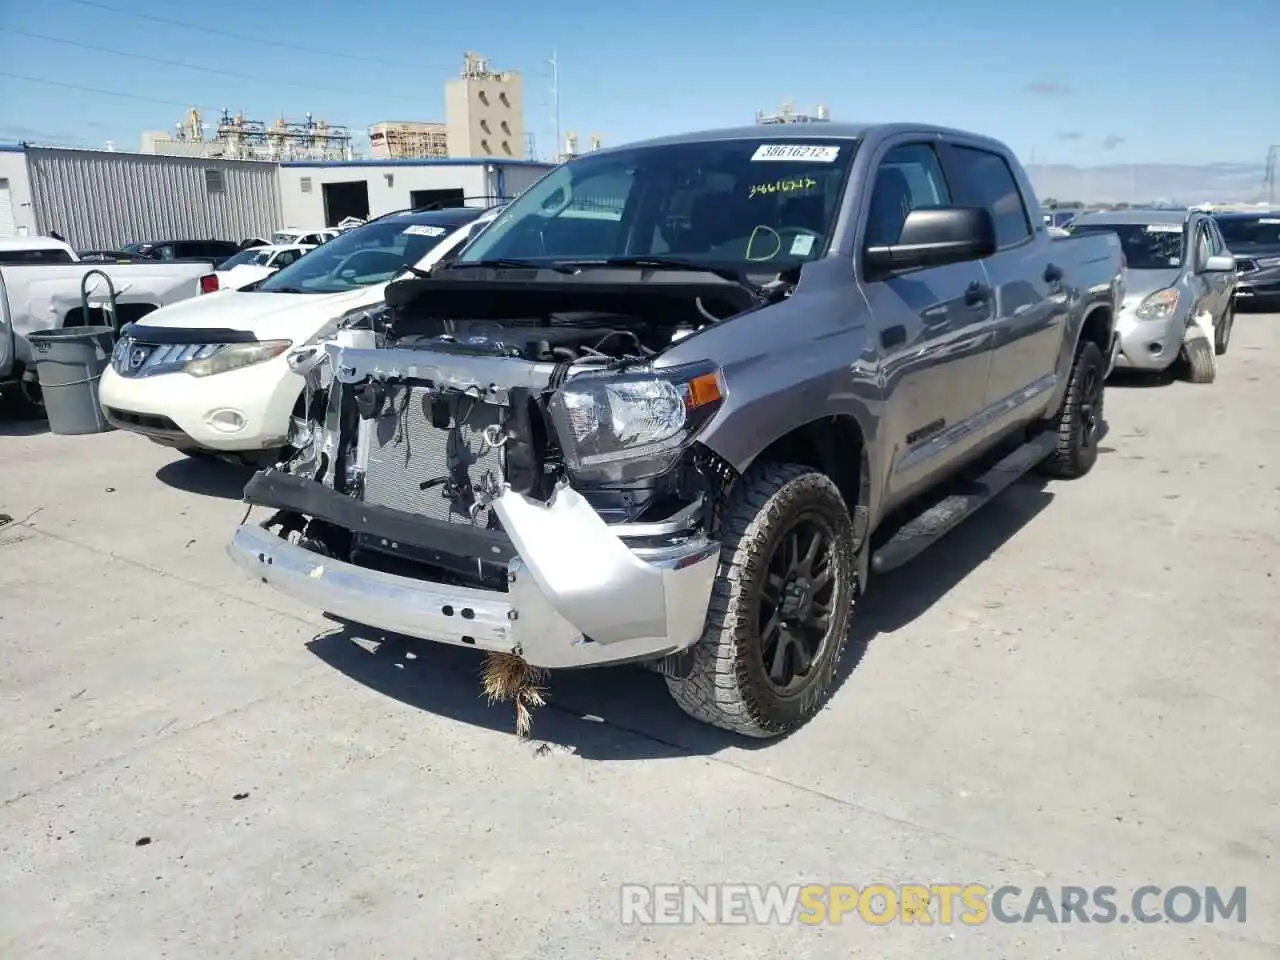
683	426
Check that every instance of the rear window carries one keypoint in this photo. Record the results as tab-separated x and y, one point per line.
27	257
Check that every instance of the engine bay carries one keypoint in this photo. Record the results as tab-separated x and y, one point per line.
560	338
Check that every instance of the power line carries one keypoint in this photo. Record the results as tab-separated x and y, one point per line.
248	38
105	93
193	66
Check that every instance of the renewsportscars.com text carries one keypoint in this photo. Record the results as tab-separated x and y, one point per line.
970	904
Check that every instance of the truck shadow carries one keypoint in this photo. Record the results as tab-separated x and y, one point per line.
207	477
625	713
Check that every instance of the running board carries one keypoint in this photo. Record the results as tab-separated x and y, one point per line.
922	531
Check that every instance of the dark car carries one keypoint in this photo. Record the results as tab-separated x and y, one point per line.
213	251
1254	240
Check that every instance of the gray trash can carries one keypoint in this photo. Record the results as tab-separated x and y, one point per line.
69	364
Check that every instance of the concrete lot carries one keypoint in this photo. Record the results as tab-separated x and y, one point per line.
1080	687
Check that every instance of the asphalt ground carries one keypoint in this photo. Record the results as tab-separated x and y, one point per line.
1076	688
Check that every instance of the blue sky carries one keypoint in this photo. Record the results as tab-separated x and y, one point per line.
1081	82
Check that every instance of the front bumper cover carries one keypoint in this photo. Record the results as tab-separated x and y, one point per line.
578	595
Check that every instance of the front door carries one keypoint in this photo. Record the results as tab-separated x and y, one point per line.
933	333
1027	277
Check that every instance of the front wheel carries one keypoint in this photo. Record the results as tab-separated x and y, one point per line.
1198	361
780	610
1079	421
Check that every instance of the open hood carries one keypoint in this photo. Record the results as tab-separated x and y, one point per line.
662	297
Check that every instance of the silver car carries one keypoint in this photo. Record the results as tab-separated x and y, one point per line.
1178	291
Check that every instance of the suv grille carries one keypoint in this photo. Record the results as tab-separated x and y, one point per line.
133	358
408	466
1245	266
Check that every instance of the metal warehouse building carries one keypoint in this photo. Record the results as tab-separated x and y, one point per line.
104	199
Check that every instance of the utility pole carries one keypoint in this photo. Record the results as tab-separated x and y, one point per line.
555	99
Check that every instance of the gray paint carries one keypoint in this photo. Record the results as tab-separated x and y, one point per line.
98	199
820	353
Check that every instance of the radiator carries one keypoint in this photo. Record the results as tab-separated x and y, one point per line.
405	451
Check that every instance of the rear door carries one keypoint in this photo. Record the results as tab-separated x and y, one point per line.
1030	298
933	330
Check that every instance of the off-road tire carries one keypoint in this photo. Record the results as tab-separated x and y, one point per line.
1197	356
1222	330
1076	450
727	687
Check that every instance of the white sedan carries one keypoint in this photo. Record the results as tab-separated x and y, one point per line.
251	265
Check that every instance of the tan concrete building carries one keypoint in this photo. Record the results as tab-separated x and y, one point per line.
484	112
408	140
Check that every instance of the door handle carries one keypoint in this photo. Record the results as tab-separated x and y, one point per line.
976	294
1052	273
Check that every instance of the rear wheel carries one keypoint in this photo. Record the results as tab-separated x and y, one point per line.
780	611
1079	421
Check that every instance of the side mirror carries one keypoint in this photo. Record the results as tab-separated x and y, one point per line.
1219	264
934	237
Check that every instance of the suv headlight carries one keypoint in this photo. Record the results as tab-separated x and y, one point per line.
233	356
1158	306
637	423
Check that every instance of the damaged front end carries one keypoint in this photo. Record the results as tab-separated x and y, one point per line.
526	481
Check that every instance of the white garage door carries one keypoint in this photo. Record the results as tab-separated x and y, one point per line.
6	211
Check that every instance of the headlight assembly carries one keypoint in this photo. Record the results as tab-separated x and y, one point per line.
1158	306
639	422
233	356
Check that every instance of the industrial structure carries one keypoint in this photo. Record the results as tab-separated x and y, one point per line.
408	139
571	146
484	111
788	115
236	138
103	199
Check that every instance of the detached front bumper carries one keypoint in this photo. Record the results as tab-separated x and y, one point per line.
578	595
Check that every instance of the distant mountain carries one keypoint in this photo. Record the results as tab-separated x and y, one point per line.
1146	182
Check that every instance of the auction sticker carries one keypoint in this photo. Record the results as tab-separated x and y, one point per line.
1164	228
424	230
796	151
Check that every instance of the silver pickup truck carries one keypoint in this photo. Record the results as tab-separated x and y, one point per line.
681	398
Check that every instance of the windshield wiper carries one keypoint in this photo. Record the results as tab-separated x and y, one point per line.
498	262
662	263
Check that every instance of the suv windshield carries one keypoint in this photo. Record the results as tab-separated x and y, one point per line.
758	206
1146	246
1250	231
366	255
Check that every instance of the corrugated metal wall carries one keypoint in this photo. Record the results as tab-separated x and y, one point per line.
102	200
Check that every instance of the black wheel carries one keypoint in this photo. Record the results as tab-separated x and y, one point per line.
1222	330
780	611
1079	421
1197	356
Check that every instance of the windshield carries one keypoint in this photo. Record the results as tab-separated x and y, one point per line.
753	205
1147	246
244	257
366	255
1246	232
